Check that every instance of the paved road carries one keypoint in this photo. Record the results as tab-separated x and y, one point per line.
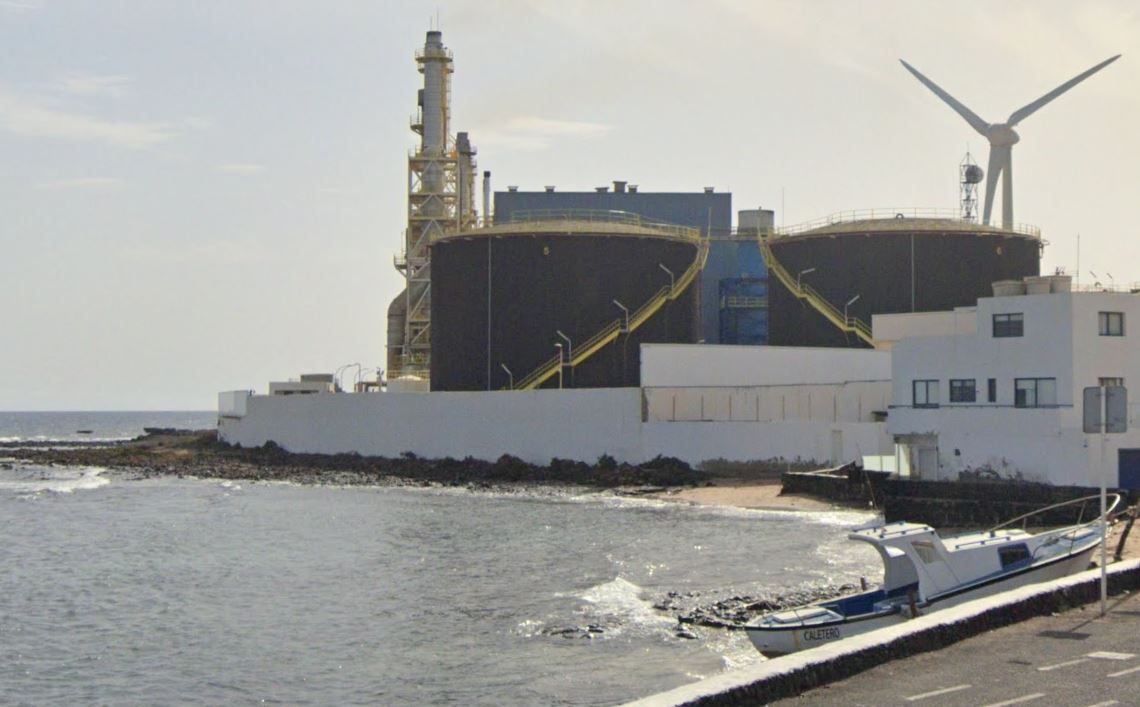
1075	659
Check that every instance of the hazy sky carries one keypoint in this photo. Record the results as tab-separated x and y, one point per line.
199	196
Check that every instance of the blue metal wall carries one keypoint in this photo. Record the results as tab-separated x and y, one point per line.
743	311
735	264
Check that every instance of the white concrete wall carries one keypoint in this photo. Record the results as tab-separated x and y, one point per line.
820	442
889	329
846	402
703	365
534	426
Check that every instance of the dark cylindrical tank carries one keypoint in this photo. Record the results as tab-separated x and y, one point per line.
501	294
891	265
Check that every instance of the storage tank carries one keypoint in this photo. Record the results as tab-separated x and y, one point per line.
501	295
891	265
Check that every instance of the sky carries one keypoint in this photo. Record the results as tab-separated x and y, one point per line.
205	196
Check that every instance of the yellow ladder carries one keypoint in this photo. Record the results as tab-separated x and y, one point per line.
611	331
846	324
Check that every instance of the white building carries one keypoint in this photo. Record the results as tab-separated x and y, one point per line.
999	386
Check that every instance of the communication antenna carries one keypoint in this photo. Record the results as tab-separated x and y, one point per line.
970	175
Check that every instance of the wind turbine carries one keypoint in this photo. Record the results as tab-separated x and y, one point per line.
1002	136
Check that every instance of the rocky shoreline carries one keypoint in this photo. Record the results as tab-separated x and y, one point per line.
200	454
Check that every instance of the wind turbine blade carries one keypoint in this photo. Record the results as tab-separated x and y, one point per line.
1024	112
975	122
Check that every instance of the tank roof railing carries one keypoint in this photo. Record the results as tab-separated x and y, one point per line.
600	216
856	215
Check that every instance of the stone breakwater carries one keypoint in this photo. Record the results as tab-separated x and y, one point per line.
692	609
200	454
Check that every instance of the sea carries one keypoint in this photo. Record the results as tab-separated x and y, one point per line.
118	590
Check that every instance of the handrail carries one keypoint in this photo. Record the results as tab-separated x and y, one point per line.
845	323
1109	510
903	213
610	216
610	332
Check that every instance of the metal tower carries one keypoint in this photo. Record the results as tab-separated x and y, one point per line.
441	183
970	175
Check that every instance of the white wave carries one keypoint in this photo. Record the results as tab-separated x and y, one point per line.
55	480
621	599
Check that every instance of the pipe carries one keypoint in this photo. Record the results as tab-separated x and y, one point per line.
486	198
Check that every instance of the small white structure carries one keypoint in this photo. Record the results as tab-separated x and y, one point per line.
309	384
1007	395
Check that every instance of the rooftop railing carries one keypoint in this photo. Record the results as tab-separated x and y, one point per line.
901	214
599	216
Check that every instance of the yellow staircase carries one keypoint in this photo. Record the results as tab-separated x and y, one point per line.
846	324
611	331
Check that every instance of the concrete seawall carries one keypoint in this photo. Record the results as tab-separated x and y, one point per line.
941	504
793	674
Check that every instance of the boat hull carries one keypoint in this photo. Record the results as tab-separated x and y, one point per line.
773	641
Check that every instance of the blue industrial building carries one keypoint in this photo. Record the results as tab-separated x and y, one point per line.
733	287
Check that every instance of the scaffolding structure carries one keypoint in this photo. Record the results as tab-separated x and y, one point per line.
441	185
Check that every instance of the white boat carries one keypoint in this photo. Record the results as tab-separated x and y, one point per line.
924	572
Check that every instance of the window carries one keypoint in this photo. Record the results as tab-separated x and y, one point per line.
991	390
962	391
1110	382
1034	392
926	551
1012	554
1009	325
1111	323
926	394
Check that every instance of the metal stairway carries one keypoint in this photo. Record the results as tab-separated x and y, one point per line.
614	329
846	324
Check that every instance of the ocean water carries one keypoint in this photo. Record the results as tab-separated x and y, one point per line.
202	592
95	426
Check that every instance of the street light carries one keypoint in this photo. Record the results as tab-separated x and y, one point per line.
672	280
569	348
801	274
848	304
626	311
510	376
558	345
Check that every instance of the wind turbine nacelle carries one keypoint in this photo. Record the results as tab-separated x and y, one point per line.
1002	135
974	174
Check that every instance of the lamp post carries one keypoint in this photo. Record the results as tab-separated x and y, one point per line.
849	302
569	347
624	310
558	345
672	279
800	274
510	376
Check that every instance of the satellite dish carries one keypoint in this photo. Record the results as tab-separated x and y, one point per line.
974	174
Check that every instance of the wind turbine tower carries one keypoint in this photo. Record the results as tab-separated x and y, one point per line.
1002	137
